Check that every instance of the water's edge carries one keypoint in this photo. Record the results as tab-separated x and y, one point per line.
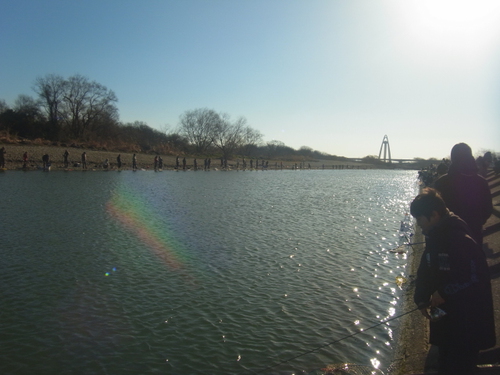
411	344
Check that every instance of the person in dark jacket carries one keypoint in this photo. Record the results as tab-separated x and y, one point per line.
453	276
134	162
84	160
46	162
2	157
466	193
66	159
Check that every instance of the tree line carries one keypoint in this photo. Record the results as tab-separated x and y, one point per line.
79	111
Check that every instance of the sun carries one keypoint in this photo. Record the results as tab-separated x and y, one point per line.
456	14
457	28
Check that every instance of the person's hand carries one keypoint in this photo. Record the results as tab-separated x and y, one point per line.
425	312
436	299
424	309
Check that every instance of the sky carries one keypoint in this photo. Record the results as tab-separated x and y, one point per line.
332	75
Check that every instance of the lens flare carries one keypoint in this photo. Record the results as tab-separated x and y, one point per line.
136	215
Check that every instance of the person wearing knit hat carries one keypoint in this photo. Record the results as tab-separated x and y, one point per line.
452	287
466	193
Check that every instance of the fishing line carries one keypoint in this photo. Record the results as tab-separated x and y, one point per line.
334	342
348	336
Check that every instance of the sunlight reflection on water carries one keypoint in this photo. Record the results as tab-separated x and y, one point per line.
187	271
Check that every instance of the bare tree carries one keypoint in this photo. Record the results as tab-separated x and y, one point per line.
273	148
27	105
198	127
3	106
229	136
24	119
204	128
252	136
305	151
85	103
251	139
50	90
82	106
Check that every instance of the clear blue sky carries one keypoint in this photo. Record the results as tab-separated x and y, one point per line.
335	76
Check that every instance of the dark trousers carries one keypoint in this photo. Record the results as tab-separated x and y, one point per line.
457	360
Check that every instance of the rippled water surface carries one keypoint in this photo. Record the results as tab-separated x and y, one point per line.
198	272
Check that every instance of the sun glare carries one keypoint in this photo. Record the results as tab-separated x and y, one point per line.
453	28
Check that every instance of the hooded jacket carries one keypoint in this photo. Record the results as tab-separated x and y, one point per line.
467	195
453	265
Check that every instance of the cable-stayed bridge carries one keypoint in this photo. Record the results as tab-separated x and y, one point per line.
384	154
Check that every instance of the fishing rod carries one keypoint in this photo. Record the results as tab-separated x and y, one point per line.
411	244
415	243
397	248
334	342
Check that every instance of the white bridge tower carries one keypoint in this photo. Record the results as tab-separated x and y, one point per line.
387	149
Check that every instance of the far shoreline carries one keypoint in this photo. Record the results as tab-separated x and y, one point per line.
96	159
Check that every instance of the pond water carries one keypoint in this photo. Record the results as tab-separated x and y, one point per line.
199	272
